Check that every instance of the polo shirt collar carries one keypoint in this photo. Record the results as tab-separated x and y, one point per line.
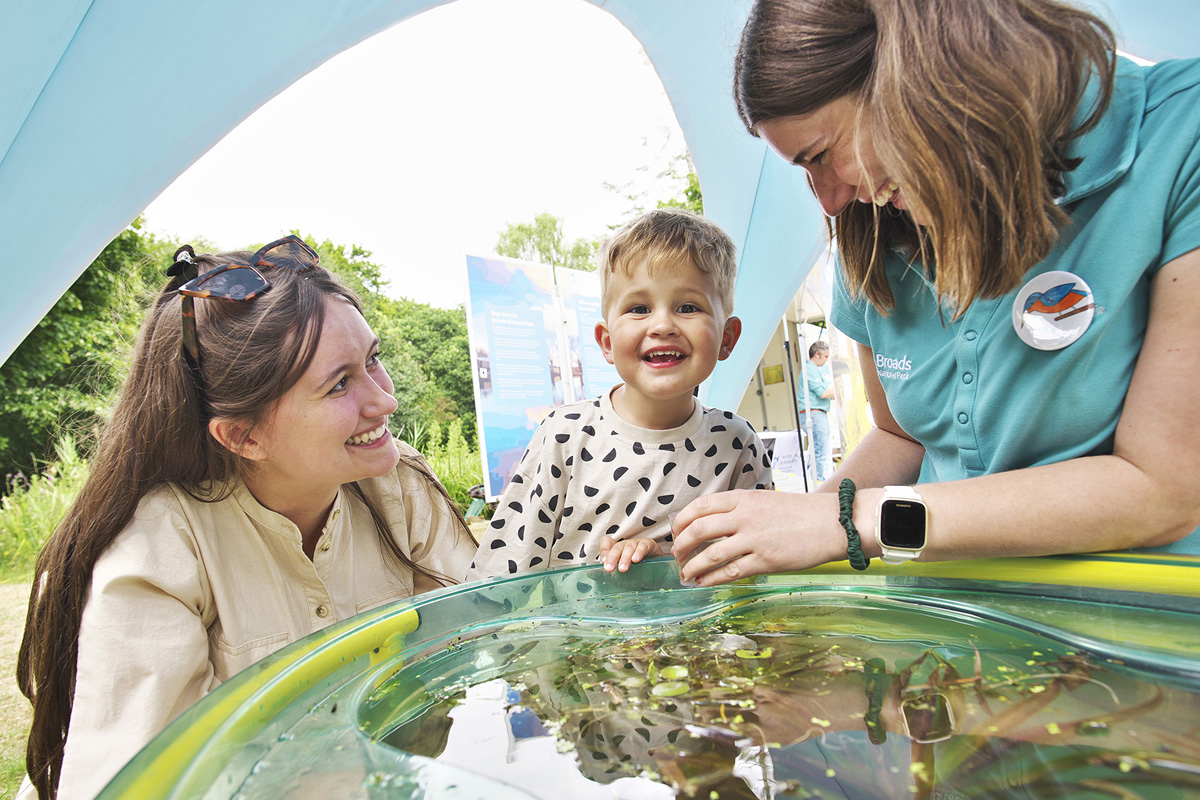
1109	148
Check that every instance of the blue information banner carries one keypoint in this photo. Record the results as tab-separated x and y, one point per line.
533	348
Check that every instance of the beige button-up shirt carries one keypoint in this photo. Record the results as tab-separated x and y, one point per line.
191	593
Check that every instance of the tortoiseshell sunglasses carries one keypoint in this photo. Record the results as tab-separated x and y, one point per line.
241	282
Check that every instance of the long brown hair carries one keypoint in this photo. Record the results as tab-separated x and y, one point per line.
971	103
252	354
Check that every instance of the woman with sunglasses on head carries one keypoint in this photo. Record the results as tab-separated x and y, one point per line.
245	493
1017	221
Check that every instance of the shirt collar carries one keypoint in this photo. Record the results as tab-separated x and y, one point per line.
271	520
1109	148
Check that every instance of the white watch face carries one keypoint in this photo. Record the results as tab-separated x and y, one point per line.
902	524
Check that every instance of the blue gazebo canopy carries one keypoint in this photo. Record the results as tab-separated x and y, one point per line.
88	137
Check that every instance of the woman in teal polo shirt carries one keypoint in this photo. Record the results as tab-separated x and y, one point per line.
1017	215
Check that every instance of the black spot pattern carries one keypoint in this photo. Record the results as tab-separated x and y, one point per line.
565	476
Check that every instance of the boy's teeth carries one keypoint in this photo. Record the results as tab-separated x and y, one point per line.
369	436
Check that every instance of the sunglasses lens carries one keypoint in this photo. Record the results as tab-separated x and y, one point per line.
290	253
239	283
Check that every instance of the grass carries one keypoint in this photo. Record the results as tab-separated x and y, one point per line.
15	712
32	508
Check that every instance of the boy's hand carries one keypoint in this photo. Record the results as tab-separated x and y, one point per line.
620	554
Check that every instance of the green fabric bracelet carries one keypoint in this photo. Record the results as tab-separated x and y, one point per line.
875	676
853	543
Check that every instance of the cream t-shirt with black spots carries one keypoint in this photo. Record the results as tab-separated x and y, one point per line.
587	473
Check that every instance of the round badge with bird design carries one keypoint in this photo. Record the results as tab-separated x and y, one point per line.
1053	310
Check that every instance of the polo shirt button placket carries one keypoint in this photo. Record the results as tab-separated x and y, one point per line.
966	353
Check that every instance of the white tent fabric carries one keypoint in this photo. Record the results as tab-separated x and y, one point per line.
105	102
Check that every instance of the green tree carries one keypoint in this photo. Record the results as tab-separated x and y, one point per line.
541	241
692	199
62	376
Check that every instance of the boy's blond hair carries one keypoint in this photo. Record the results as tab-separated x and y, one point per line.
662	238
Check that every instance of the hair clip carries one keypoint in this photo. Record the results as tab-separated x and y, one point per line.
184	257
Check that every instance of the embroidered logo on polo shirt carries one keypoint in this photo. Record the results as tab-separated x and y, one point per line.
893	368
1053	310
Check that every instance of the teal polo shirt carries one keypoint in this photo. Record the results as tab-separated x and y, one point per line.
977	397
817	385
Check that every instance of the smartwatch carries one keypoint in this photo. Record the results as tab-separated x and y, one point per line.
900	524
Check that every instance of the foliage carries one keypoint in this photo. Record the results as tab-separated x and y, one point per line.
33	507
64	373
679	171
541	241
692	199
457	465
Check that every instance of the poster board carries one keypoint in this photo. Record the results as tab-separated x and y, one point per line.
533	348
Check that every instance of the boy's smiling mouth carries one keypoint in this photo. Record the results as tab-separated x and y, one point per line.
663	357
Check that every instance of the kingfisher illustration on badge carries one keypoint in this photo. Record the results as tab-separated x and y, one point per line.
1053	310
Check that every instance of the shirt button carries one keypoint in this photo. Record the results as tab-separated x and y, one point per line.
325	547
962	417
322	612
967	378
970	336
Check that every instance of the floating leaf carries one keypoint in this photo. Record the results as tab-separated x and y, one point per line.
766	652
670	689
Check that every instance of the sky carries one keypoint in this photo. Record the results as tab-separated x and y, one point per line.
423	142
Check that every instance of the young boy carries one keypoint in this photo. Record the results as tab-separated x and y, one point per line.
601	477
